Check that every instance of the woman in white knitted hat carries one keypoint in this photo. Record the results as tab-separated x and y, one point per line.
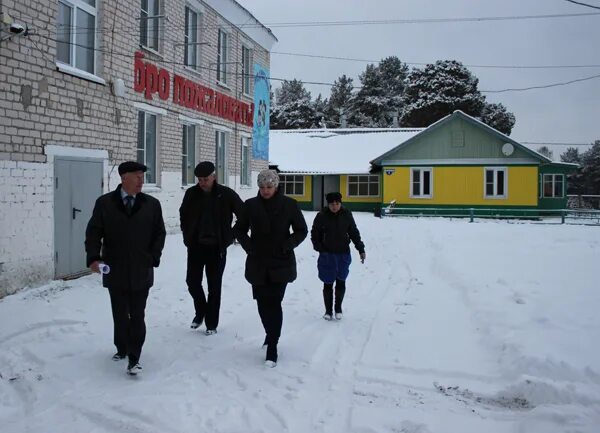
271	263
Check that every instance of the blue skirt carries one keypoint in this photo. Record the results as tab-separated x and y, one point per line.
333	266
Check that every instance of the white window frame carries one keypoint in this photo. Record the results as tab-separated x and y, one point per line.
222	135
185	153
297	182
553	181
245	161
156	22
495	170
421	194
360	180
193	45
142	140
70	67
246	70
223	55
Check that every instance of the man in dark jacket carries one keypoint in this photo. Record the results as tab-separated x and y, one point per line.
206	216
127	233
333	229
271	263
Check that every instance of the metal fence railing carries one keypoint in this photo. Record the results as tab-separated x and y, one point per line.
557	216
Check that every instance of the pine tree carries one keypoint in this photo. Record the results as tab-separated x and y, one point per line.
340	101
591	169
292	108
575	180
544	150
498	117
320	108
439	89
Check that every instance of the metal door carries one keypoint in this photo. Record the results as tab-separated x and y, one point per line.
317	192
330	184
77	185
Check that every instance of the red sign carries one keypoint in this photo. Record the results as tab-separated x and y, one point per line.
149	79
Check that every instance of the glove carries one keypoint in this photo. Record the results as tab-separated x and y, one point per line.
363	256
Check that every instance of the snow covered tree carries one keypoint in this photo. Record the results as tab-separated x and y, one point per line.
320	108
545	151
591	169
381	94
498	117
340	100
575	180
439	89
292	108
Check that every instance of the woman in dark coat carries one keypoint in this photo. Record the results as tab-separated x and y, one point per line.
271	263
333	229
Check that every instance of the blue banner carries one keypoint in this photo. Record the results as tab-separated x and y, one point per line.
260	129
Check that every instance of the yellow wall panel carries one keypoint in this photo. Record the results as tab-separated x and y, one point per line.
462	186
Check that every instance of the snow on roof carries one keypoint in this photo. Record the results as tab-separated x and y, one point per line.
333	151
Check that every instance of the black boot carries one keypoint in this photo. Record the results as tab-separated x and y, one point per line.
328	298
340	291
271	360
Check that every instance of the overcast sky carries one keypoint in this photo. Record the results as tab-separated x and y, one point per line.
568	114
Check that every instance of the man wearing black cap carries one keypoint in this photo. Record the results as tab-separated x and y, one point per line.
332	230
127	233
206	216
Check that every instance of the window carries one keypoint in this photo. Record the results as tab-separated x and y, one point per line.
363	186
246	73
495	182
291	184
420	181
221	150
553	185
188	155
222	56
149	24
146	144
193	22
76	34
245	163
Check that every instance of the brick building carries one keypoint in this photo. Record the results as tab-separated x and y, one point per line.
87	84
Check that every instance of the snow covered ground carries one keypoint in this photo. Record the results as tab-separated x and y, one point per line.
449	327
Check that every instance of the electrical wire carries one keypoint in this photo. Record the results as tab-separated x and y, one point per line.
583	4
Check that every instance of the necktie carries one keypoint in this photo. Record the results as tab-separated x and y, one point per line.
128	204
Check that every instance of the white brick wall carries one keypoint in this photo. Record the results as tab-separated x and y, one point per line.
26	224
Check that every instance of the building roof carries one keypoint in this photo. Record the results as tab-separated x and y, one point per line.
332	151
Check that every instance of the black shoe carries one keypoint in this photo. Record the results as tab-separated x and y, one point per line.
272	353
196	323
119	356
133	368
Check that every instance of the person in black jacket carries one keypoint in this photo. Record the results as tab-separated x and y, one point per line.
271	263
206	216
332	230
127	233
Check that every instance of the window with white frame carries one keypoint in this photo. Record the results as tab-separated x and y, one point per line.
553	185
146	144
150	24
291	184
245	162
246	77
495	182
193	23
221	151
421	185
222	56
363	185
76	34
188	154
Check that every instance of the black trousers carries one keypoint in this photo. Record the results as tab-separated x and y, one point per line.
340	291
268	300
199	258
128	311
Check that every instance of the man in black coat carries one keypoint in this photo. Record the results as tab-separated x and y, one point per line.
332	231
206	216
271	263
127	233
